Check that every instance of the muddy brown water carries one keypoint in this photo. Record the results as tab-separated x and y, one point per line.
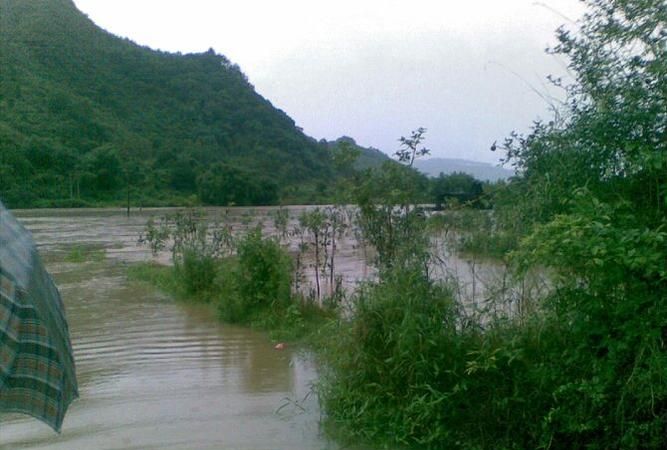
158	374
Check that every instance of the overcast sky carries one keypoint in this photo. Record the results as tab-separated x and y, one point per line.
373	70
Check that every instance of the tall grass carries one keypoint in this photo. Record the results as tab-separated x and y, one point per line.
402	371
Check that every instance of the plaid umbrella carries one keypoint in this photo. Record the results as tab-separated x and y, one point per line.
36	365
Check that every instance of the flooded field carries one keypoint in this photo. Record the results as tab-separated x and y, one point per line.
154	373
159	374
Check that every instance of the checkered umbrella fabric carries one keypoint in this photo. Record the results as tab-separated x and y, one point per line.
37	375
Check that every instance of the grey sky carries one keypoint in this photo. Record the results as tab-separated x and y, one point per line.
373	70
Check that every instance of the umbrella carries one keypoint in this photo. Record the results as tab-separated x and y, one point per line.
37	374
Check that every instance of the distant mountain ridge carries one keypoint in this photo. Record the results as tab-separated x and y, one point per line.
370	158
482	171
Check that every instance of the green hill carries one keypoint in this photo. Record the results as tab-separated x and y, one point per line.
85	116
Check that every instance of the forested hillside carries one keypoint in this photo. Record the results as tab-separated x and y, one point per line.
86	117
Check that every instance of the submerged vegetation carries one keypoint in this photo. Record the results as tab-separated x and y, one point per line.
80	254
249	277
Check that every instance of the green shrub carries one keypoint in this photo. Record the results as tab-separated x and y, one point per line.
249	277
382	364
197	272
196	249
266	270
157	275
405	370
611	274
258	278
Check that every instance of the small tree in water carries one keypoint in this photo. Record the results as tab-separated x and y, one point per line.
389	216
410	150
194	245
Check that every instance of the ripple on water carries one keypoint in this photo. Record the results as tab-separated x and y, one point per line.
155	374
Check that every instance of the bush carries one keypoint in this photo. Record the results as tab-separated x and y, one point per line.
405	370
257	279
612	275
197	272
196	249
249	278
382	365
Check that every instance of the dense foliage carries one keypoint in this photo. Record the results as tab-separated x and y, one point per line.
585	367
258	279
385	362
595	178
388	214
456	187
86	117
611	135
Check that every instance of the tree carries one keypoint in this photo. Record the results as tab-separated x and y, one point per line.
593	193
409	149
610	136
458	185
104	169
224	185
389	217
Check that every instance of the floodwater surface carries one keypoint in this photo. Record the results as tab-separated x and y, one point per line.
154	373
